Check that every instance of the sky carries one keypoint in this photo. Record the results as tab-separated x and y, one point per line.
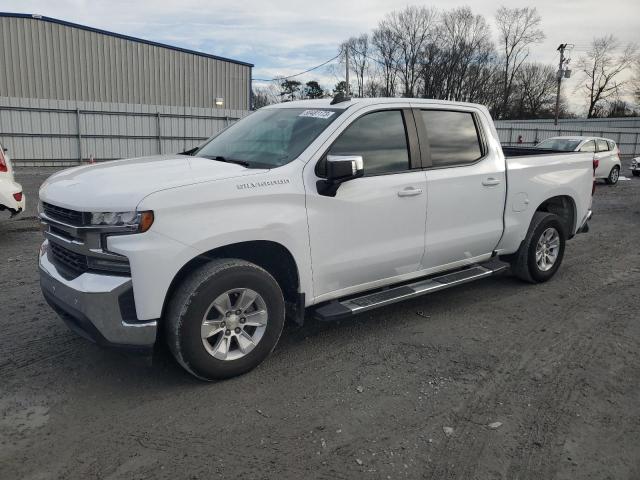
282	37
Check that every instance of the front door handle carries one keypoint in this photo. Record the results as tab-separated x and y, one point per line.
410	192
490	182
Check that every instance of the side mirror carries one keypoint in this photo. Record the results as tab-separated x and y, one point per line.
340	169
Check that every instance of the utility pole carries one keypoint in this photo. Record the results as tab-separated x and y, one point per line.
346	63
560	74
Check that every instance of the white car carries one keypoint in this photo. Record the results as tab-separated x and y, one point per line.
331	208
11	195
635	166
606	155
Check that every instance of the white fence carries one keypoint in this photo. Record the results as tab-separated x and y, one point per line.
59	133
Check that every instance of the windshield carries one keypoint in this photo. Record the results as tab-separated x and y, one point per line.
560	144
269	138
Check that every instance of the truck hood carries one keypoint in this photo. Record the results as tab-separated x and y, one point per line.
120	185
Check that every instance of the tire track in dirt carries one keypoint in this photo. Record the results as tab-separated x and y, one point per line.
460	453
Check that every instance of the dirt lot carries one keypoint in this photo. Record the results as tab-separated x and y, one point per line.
558	365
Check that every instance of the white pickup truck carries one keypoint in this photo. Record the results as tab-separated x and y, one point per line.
323	207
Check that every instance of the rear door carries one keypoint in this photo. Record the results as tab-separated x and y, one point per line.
466	187
604	157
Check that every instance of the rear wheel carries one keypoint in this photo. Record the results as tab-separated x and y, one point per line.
614	175
542	250
225	319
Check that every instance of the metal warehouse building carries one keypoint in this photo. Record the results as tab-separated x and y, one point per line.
69	93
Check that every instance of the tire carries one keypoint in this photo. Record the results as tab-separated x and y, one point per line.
636	173
208	300
524	264
614	175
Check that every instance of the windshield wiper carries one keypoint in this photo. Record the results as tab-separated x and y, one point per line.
220	158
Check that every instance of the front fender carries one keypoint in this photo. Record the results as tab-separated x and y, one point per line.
195	219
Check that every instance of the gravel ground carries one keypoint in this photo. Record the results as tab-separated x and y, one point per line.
497	379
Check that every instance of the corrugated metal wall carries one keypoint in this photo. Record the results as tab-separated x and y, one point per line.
43	59
625	122
45	132
534	131
70	92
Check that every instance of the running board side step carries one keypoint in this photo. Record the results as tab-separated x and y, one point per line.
338	310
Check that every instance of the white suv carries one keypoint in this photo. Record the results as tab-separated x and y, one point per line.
11	196
606	156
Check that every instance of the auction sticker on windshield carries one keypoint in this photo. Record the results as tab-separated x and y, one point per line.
317	113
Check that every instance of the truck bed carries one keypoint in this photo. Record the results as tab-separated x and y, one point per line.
535	175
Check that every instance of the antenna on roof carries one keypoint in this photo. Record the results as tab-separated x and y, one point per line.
339	98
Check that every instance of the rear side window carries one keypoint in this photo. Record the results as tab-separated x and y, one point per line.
590	146
380	138
453	137
603	146
612	145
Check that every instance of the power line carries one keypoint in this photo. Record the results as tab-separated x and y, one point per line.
297	74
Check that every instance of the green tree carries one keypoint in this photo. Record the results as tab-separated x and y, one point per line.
340	88
313	90
289	88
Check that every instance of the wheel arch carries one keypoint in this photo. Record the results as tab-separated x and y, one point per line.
565	207
274	257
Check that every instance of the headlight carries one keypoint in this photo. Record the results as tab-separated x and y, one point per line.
138	221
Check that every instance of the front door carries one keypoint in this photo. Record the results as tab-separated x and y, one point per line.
373	229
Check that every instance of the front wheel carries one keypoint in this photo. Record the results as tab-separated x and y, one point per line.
614	175
224	319
542	250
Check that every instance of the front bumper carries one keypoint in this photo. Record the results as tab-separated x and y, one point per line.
98	307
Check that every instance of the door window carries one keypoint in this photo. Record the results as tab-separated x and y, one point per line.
453	138
380	138
603	146
590	146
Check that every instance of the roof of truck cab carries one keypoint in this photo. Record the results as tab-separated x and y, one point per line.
362	102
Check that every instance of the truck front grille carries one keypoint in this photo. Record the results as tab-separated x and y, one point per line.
65	215
71	262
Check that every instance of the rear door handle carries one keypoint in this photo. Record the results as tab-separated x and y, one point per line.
490	182
410	192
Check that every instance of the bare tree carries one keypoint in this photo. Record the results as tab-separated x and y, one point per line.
359	59
601	68
462	42
535	89
518	29
265	95
411	29
636	81
386	50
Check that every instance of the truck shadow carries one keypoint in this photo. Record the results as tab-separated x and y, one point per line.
73	359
